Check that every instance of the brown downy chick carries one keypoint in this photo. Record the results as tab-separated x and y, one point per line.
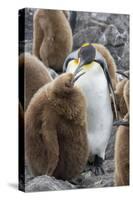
122	155
122	145
52	37
120	93
56	139
32	75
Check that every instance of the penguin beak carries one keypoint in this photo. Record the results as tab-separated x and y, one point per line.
121	123
78	76
79	69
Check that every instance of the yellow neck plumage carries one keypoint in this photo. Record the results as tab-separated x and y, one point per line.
74	64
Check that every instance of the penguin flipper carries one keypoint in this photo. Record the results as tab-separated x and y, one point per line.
103	64
112	93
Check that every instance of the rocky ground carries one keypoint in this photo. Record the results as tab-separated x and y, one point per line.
112	30
86	180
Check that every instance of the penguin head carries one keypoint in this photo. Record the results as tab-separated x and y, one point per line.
84	59
63	85
86	54
82	56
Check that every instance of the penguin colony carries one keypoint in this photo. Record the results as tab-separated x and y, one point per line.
122	139
60	136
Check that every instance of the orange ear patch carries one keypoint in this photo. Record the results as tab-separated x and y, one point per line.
76	61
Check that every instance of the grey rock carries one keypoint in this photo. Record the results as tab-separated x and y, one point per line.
29	12
103	17
87	19
90	34
85	180
89	180
111	30
28	46
121	21
112	37
25	46
120	55
47	183
124	61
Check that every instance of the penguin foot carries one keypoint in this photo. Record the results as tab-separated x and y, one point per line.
97	166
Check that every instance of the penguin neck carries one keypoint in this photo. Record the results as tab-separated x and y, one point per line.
85	68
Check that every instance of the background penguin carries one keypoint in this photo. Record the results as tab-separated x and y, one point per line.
120	100
126	94
99	113
122	156
32	75
52	37
122	145
56	140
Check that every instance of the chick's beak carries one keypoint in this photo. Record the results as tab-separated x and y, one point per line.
79	68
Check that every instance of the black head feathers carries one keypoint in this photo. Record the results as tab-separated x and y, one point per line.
87	54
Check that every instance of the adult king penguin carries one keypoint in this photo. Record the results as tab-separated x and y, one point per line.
96	86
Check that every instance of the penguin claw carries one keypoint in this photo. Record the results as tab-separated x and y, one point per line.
97	171
96	167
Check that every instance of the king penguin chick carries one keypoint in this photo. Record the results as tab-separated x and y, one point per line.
120	93
95	88
122	155
32	75
52	37
121	104
122	146
56	140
